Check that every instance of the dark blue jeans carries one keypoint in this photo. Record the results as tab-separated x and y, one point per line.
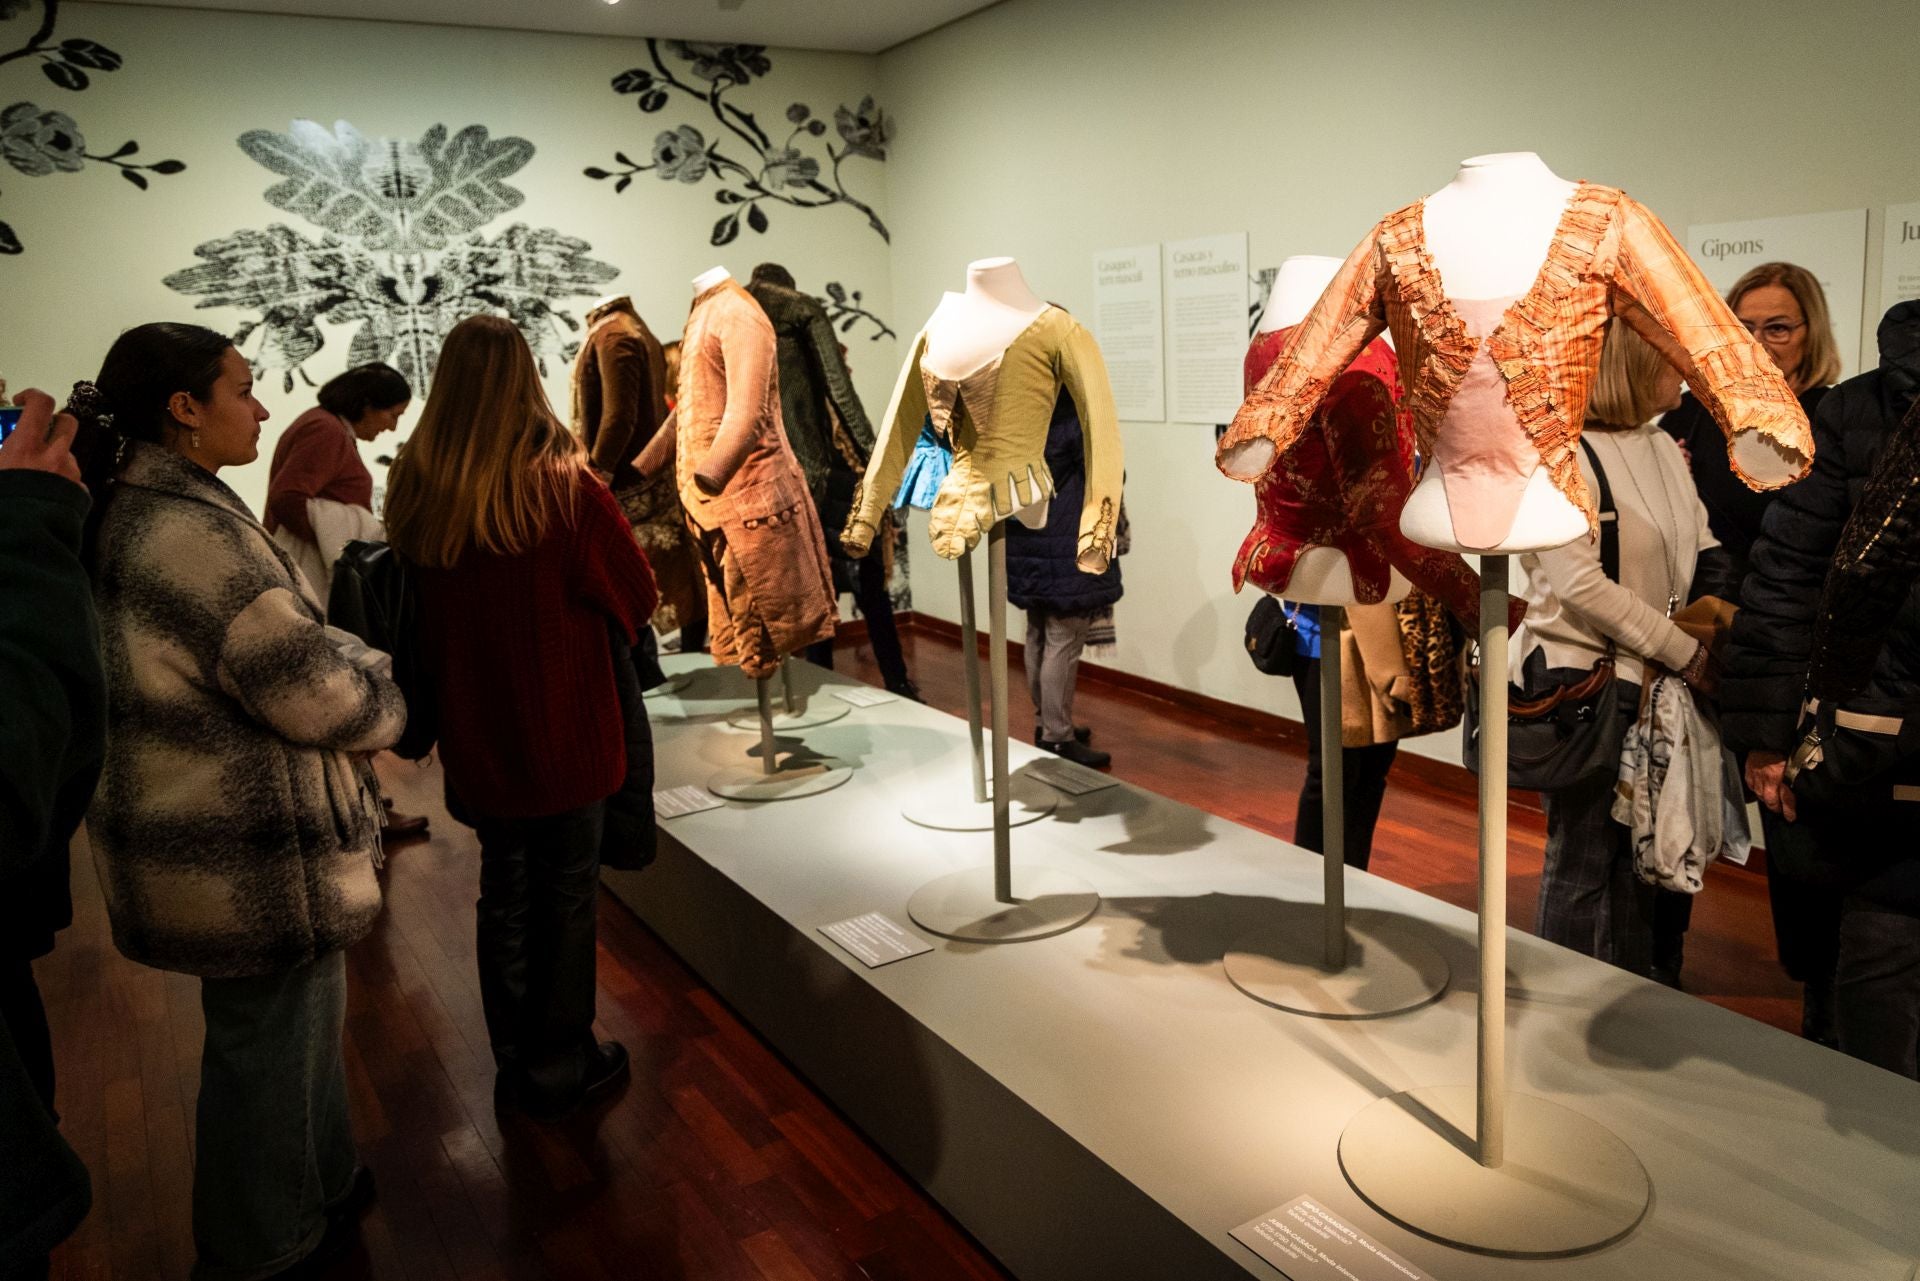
274	1147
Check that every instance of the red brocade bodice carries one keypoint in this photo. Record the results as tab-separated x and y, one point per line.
1342	484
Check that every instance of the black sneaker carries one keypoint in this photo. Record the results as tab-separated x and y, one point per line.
1079	753
905	688
1081	734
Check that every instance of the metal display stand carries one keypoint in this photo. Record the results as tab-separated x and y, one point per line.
939	804
774	778
1362	967
998	903
1439	1160
795	713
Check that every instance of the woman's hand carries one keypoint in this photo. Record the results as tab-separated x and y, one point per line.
1766	776
1701	673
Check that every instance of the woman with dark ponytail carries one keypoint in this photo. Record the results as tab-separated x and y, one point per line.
234	826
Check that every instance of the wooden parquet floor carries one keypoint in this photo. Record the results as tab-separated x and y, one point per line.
716	1162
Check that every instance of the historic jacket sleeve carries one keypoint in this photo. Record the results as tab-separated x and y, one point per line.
898	432
620	364
1766	667
1659	291
1873	570
1084	374
1348	316
747	352
823	347
610	572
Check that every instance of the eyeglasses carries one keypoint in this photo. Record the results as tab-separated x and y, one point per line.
1775	332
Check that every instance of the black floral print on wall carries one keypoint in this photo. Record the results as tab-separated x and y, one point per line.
753	168
39	142
403	256
846	313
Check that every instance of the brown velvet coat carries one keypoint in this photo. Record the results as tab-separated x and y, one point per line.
619	403
770	590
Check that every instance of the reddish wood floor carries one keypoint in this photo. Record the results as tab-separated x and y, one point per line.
717	1161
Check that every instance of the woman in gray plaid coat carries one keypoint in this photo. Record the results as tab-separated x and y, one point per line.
234	827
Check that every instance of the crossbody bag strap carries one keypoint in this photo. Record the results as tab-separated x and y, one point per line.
1609	517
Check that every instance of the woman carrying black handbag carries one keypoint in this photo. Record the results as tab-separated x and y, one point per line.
1592	631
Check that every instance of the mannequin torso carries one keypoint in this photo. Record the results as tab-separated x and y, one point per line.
968	330
1487	233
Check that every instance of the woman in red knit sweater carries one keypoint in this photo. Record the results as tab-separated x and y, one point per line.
529	578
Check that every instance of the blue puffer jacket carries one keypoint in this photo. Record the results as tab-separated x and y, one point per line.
1041	569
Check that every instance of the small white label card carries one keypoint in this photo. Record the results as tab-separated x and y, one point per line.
874	940
677	801
864	696
1309	1242
1065	776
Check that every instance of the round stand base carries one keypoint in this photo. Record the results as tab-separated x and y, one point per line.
1568	1185
673	686
947	804
819	710
1389	968
961	905
790	782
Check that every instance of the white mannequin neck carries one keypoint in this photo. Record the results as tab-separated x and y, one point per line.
1489	229
969	329
1298	285
709	278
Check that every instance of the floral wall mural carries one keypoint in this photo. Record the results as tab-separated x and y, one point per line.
846	313
42	142
752	170
404	253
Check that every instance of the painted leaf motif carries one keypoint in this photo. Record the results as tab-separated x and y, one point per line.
324	179
9	243
469	187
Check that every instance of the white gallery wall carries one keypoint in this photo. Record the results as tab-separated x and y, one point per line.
97	251
1051	129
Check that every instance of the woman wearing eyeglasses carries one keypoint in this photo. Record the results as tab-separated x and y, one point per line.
1784	307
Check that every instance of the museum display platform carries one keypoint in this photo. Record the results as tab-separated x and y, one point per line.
1105	1103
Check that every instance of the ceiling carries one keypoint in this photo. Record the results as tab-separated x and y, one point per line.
857	26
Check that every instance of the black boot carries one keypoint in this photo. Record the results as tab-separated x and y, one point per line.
1076	751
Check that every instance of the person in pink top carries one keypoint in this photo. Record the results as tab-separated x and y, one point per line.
320	493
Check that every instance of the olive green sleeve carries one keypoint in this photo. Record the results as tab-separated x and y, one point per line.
1084	373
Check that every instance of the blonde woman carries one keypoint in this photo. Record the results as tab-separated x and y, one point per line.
1590	899
1784	307
528	575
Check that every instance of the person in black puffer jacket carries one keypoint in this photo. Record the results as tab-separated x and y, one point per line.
1061	601
1809	845
1867	642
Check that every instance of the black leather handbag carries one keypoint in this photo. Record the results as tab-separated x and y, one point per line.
374	597
1270	638
1566	732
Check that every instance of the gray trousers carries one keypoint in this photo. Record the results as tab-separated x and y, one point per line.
274	1148
1054	642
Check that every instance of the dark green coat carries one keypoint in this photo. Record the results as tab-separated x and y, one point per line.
813	376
